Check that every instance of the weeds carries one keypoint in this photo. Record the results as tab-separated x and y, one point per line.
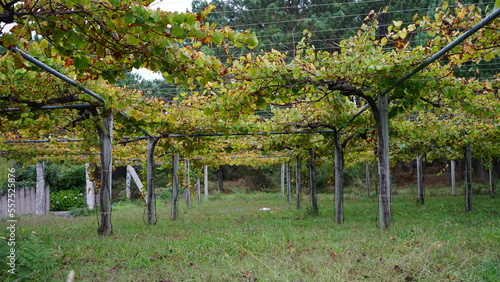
32	259
229	239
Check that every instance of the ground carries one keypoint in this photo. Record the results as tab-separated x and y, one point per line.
229	239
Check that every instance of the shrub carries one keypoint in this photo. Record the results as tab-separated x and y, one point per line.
65	200
57	176
164	194
65	177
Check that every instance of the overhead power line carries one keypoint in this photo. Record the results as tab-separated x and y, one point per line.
331	17
306	6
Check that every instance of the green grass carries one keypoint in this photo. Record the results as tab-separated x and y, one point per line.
229	239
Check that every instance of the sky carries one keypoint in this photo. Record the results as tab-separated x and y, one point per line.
172	5
166	5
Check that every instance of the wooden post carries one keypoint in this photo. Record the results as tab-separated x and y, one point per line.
150	181
468	178
90	189
368	179
175	186
420	181
298	181
288	183
383	162
198	191
188	184
312	175
282	193
453	178
339	178
205	181
105	132
134	176
40	188
127	184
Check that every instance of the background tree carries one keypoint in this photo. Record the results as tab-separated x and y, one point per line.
280	24
154	88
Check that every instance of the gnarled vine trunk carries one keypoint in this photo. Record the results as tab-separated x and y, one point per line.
150	181
312	175
382	120
453	178
298	182
175	186
420	181
105	132
468	178
288	183
339	178
205	181
188	184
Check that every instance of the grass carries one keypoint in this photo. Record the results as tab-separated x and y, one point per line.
228	239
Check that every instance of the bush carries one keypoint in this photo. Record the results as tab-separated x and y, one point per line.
324	177
57	176
65	200
26	176
355	175
164	194
65	177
